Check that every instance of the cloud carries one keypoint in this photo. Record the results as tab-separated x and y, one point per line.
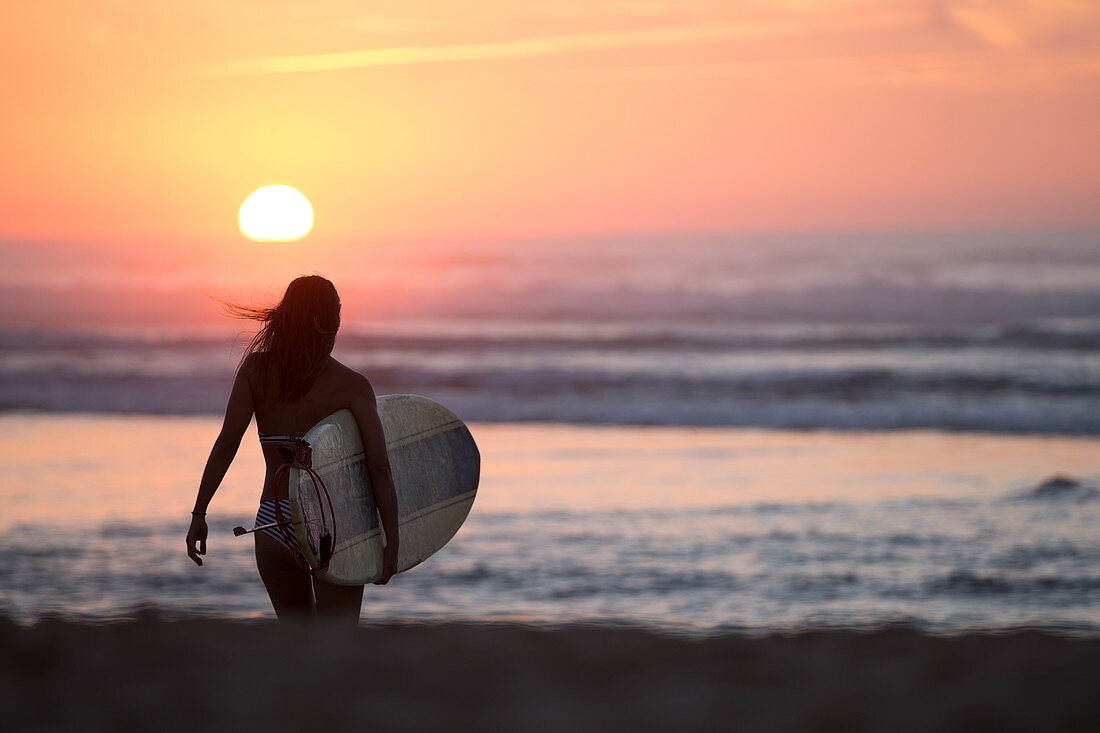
514	49
1029	23
1021	43
961	70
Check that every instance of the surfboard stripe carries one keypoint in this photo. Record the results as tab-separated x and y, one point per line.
468	496
391	445
424	434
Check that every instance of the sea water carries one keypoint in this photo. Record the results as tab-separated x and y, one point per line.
694	529
693	432
956	331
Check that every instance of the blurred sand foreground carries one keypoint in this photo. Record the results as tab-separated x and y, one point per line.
151	674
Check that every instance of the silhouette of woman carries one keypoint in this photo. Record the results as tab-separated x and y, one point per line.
290	381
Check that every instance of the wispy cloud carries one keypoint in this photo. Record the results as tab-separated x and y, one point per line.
952	69
514	49
1029	23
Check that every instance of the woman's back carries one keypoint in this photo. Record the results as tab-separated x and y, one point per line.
332	390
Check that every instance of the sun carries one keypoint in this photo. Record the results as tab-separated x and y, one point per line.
275	214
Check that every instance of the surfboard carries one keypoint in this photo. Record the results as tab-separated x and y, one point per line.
435	466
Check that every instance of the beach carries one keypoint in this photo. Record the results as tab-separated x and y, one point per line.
205	674
608	578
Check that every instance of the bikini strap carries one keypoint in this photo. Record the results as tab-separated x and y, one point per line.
264	438
291	449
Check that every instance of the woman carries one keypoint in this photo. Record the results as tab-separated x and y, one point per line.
289	379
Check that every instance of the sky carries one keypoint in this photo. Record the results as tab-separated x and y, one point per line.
134	124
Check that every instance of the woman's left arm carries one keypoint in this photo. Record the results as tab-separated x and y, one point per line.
238	413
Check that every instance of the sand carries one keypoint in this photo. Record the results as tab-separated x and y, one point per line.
151	674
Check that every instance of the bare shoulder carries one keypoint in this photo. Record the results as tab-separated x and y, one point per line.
249	363
354	384
248	368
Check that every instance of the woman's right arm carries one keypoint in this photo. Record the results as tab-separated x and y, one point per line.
238	414
365	409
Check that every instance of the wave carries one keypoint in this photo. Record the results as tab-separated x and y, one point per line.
748	337
1019	378
1060	489
555	335
1074	589
852	401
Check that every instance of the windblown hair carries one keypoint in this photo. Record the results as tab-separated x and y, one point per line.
293	344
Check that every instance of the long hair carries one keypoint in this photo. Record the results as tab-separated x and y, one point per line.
296	337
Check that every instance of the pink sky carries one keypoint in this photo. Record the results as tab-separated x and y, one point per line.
129	122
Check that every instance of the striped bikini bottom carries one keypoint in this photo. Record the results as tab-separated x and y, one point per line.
266	515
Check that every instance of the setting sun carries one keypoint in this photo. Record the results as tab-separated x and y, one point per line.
276	214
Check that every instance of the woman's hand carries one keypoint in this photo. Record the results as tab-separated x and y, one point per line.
389	564
196	538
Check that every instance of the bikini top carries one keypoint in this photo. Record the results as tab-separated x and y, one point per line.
264	438
292	448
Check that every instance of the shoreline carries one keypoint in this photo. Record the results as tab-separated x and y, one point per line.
917	430
152	614
68	676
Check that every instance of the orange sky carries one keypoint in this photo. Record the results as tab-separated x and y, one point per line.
130	121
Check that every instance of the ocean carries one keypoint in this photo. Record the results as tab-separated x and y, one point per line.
694	433
963	331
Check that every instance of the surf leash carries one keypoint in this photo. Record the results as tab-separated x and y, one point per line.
301	457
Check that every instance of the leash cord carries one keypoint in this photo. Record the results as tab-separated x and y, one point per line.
291	540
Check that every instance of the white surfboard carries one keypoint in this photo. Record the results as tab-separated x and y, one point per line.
435	465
